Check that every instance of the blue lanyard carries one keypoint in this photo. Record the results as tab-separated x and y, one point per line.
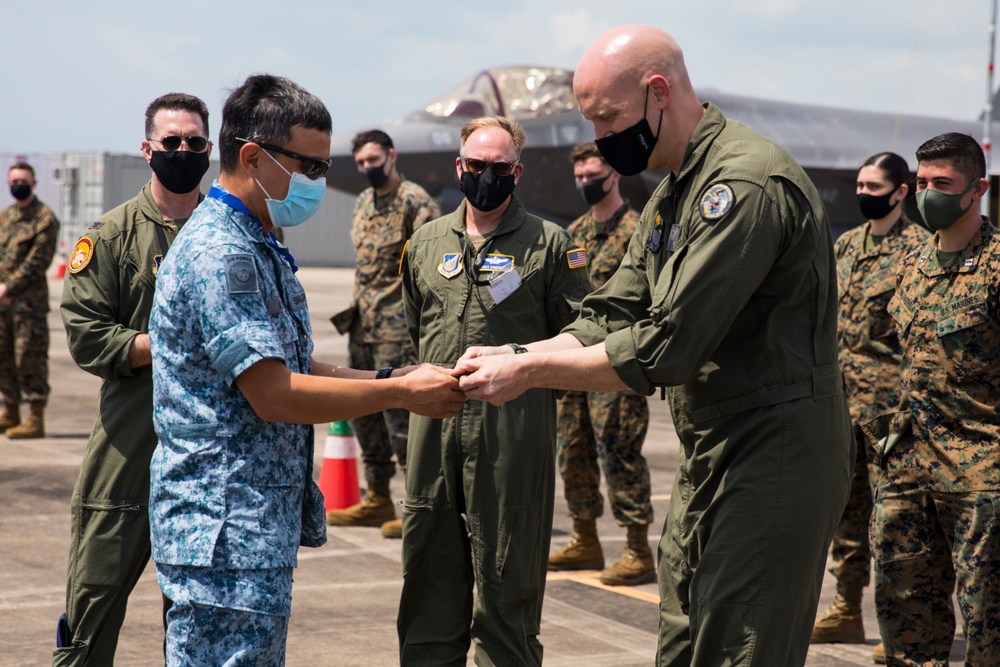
232	201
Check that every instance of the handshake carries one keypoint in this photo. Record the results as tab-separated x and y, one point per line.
490	374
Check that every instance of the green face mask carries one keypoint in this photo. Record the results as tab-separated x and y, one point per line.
941	210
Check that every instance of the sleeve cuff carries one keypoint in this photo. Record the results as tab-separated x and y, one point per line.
622	353
241	347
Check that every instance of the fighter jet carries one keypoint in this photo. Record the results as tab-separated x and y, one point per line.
829	142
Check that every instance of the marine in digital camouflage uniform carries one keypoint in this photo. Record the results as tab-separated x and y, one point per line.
28	233
604	431
935	529
867	257
385	216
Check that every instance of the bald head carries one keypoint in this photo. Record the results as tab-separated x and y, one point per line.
611	80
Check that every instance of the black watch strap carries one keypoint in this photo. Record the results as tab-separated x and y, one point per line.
384	372
518	349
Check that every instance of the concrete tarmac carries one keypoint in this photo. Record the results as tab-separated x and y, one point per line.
346	593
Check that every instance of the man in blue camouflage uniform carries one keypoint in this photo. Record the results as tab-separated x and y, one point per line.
937	508
385	215
867	257
232	495
604	427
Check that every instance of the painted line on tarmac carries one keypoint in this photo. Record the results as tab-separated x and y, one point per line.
660	496
590	578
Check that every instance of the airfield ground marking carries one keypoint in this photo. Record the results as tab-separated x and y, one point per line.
590	578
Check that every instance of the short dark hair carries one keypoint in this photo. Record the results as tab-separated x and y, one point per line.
961	150
892	165
22	165
265	108
175	102
370	137
585	151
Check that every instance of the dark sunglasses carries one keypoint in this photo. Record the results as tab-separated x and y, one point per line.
312	168
173	142
474	166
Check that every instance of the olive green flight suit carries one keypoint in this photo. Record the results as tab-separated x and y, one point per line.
727	297
480	486
105	304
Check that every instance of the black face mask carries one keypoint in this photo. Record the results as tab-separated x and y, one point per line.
486	191
593	190
179	171
377	176
20	191
628	152
875	207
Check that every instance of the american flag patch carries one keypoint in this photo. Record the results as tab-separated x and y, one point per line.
576	258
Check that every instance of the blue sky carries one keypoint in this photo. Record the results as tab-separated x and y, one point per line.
78	76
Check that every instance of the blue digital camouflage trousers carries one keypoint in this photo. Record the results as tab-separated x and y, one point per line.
382	434
925	544
604	431
226	618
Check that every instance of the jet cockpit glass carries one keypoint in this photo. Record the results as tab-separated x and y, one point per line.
517	92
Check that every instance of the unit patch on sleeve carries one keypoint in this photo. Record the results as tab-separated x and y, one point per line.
717	201
451	265
576	258
83	251
241	274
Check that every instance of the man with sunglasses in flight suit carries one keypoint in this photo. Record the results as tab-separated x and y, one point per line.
727	300
480	486
106	305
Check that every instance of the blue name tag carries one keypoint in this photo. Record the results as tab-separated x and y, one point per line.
498	263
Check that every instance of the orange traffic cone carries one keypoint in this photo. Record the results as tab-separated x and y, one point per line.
59	270
338	478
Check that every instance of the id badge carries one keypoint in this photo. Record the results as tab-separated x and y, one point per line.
503	285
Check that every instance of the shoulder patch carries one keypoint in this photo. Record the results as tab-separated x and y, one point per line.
576	258
717	202
81	255
241	274
402	256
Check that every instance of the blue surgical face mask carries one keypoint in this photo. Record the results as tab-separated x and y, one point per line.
301	203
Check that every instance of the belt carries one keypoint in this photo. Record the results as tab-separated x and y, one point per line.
826	382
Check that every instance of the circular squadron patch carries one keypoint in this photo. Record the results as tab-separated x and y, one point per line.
717	201
83	251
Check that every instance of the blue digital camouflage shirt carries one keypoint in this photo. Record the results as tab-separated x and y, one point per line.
227	488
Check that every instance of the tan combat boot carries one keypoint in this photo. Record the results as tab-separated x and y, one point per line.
842	623
878	654
636	565
393	530
583	552
10	416
32	427
374	510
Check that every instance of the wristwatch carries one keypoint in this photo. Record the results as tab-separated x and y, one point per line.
384	372
518	349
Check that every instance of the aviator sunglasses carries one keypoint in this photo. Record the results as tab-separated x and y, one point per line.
312	168
474	166
173	142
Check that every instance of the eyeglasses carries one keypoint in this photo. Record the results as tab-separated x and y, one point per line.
475	166
173	142
312	168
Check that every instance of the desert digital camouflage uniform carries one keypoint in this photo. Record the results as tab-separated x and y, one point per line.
869	360
378	335
604	427
937	506
27	242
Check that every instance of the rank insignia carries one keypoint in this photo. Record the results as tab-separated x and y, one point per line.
157	260
451	265
576	258
241	274
82	253
716	202
497	262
